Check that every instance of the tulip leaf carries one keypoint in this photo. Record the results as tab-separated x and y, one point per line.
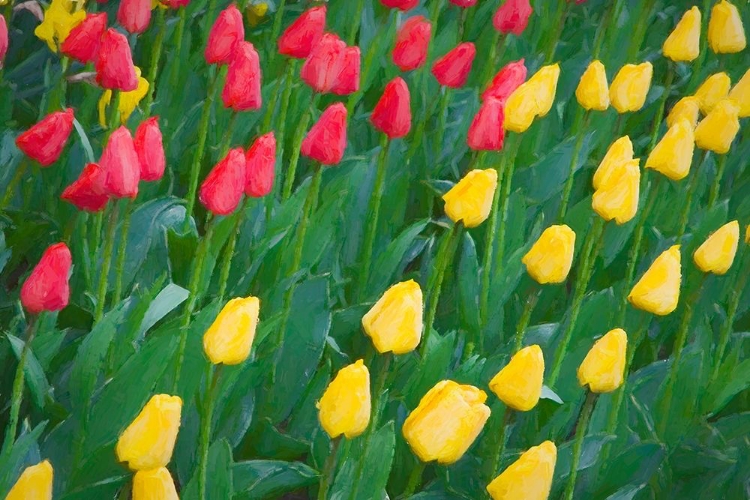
378	463
393	257
165	302
259	479
468	279
33	373
10	463
636	465
731	386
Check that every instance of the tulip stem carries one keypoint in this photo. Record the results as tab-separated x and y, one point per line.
109	245
356	22
561	15
684	219
226	264
212	380
439	138
226	141
415	479
612	8
640	30
328	469
153	70
122	250
284	83
299	136
580	132
716	186
496	54
523	323
502	437
179	35
658	118
277	20
583	423
10	190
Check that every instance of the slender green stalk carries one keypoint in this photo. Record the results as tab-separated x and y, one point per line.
561	15
277	20
501	438
226	264
109	245
640	30
329	469
122	250
439	139
10	190
658	118
212	380
415	479
716	186
94	249
607	18
580	130
285	87
210	17
685	217
84	219
583	423
299	136
179	35
356	22
523	323
153	70
497	49
226	141
18	385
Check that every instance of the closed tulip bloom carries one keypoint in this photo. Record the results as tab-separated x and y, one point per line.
242	87
686	108
154	484
658	290
344	407
304	33
470	201
45	141
322	67
512	16
506	81
114	63
402	5
149	146
347	81
593	90
519	383
452	70
486	132
326	140
134	15
683	44
172	4
412	41
619	152
47	288
392	113
394	323
603	367
521	108
716	254
226	32
674	152
147	443
120	164
82	44
230	337
719	128
446	422
222	190
726	35
714	89
618	197
740	94
260	166
529	477
630	87
35	483
59	21
86	192
550	258
127	103
464	3
545	81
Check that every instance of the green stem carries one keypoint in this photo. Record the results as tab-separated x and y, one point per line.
210	17
109	245
84	220
329	469
122	250
284	83
18	385
659	117
226	264
685	217
581	135
415	479
356	22
502	437
523	323
561	14
583	423
497	49
94	250
640	30
177	56
226	141
277	20
153	70
608	17
299	136
10	190
716	186
212	380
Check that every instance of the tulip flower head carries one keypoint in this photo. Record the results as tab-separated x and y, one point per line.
593	90
304	33
658	290
519	383
221	191
529	477
740	94
719	128
154	484
230	337
687	108
45	141
619	152
120	164
394	323
59	20
114	63
630	87
86	192
147	443
35	483
392	113
226	32
716	254
617	197
464	3
452	70
506	81
347	81
402	5
323	66
242	87
674	152
551	256
545	81
603	367
134	15
82	44
345	407
47	288
412	41
726	35
470	201
512	16
127	103
149	146
521	108
683	44
260	165
714	89
326	140
486	132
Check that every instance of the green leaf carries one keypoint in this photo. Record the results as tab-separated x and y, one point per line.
259	479
10	463
34	375
468	279
388	263
634	466
731	386
378	462
167	301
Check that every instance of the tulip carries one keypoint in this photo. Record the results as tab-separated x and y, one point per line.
326	140
470	200
242	87
127	103
452	70
226	32
260	166
155	484
174	4
3	40
114	63
394	323
630	87
683	44
550	258
230	337
58	23
412	41
593	91
134	15
150	149
45	141
86	192
303	34
718	129
529	477
714	89
658	290
82	44
486	132
35	483
521	108
687	108
392	113
726	35
619	152
747	234
147	443
120	164
519	383
545	81
47	288
464	3
740	94
446	422
324	64
402	5
222	189
347	81
604	365
674	152
344	407
716	254
506	81
617	198
512	16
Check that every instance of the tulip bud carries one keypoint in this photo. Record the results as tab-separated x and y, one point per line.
486	132
114	63
714	89
120	164
225	34
3	40
446	422
242	87
34	483
506	81
304	33
512	16
529	477
326	140
86	192
718	129
83	42
716	254
230	337
150	149
617	198
604	365
545	82
521	108
452	70
344	407
347	81
593	91
686	108
550	258
674	153
470	201
740	94
658	290
392	113
47	288
726	35
45	141
464	3
154	484
58	23
402	5
222	189
630	87
619	152
260	166
322	67
412	41
519	383
394	323
683	44
134	15
148	441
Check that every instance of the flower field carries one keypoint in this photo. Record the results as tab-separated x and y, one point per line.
372	249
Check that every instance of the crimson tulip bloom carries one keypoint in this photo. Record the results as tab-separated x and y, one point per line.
47	288
221	191
303	34
45	141
512	16
506	81
86	191
3	40
175	4
348	79
323	66
226	32
326	140
114	65
150	150
134	15
403	5
412	40
82	44
392	113
452	70
464	3
486	132
242	88
120	164
260	164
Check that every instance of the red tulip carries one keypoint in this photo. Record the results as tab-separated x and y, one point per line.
134	15
114	65
226	32
348	79
242	87
512	16
506	81
120	165
464	3
47	289
260	162
150	150
85	192
44	142
403	5
486	132
326	140
322	67
221	191
175	4
392	113
3	40
453	68
83	42
304	33
412	40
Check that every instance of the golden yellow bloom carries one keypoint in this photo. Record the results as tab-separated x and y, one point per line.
716	254
230	338
470	201
395	321
521	108
630	87
529	477
718	129
550	257
674	153
255	13
726	35
712	90
593	90
446	421
35	482
519	383
154	484
617	198
59	19
740	94
619	152
747	234
658	290
683	44
345	405
128	100
687	108
148	441
545	81
604	365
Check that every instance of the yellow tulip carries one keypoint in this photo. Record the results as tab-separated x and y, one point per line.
128	100
550	257
545	81
718	129
345	405
683	44
619	152
470	201
519	383
687	108
394	323
658	290
617	198
154	484
747	234
630	87
529	477
446	422
716	254
604	365
230	338
593	90
521	108
674	152
34	483
712	90
59	20
740	94
149	440
256	13
726	35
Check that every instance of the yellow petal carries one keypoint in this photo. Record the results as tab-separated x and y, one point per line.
617	198
230	338
519	383
674	152
604	365
726	35
129	100
521	108
686	108
683	44
740	93
716	254
149	440
630	87
658	290
593	90
470	201
345	405
712	90
529	477
154	484
104	101
619	152
719	128
394	323
35	483
545	82
551	256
